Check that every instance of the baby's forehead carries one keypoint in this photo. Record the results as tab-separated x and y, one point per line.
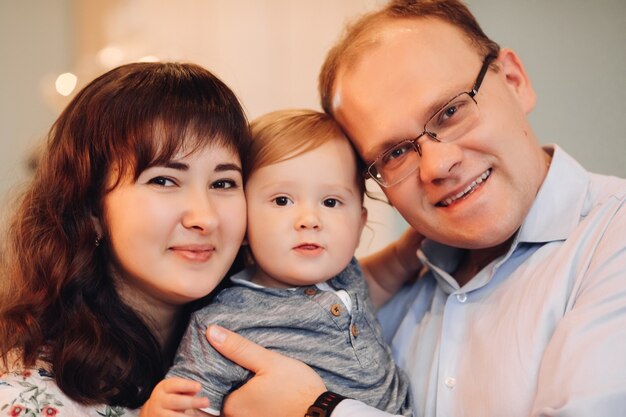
323	170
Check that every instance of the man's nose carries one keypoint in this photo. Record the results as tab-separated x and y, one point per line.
438	159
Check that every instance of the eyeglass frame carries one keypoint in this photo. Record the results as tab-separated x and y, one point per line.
369	172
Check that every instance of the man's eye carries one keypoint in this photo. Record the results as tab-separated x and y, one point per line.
449	112
162	182
396	153
331	202
282	201
454	113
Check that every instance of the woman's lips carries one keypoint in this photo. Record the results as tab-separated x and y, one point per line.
194	253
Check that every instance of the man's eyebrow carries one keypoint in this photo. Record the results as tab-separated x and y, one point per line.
445	98
378	150
430	112
436	106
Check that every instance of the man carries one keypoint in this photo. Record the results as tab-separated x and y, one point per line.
522	308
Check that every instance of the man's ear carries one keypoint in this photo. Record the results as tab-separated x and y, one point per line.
517	78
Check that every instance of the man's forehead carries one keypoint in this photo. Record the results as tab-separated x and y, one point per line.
432	42
419	34
422	58
424	31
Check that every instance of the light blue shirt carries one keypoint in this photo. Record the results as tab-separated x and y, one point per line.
541	331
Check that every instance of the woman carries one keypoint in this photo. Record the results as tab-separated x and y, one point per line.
136	211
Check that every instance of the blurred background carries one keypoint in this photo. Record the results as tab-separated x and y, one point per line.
270	51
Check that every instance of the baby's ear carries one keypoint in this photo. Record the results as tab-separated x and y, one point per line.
363	217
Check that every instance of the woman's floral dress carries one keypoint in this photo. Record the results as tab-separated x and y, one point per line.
33	392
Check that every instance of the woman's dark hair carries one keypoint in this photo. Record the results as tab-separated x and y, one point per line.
60	303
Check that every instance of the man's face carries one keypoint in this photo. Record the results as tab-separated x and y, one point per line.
395	86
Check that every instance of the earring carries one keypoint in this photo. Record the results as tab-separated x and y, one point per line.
97	242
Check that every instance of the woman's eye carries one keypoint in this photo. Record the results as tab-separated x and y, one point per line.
282	201
162	182
224	184
331	202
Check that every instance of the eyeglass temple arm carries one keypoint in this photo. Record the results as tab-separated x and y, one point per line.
481	74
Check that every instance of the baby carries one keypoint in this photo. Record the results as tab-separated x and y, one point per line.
305	295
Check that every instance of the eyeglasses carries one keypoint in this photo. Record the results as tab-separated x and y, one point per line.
448	124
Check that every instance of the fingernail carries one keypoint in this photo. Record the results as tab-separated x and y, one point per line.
217	334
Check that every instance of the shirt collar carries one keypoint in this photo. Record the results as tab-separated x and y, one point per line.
341	281
559	203
553	215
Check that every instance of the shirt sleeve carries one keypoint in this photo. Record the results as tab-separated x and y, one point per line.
583	371
33	392
197	360
349	408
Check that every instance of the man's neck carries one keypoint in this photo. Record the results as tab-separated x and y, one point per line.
475	260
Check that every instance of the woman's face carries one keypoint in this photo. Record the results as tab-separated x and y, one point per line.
177	229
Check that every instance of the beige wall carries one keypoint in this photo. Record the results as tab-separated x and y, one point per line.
35	41
270	51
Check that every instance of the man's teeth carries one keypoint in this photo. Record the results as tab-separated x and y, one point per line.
468	190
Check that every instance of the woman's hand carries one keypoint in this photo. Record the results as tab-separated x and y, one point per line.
281	386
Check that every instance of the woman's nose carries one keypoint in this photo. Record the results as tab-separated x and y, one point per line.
200	214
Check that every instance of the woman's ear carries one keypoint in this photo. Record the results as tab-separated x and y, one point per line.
517	79
97	226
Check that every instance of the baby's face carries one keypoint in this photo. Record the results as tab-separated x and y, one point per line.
305	216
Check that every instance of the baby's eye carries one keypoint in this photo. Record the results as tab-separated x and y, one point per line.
331	202
162	181
282	201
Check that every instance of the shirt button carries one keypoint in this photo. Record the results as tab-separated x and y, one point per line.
355	330
450	382
335	310
461	298
310	291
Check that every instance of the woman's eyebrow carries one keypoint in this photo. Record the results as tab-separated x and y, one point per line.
227	167
181	166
